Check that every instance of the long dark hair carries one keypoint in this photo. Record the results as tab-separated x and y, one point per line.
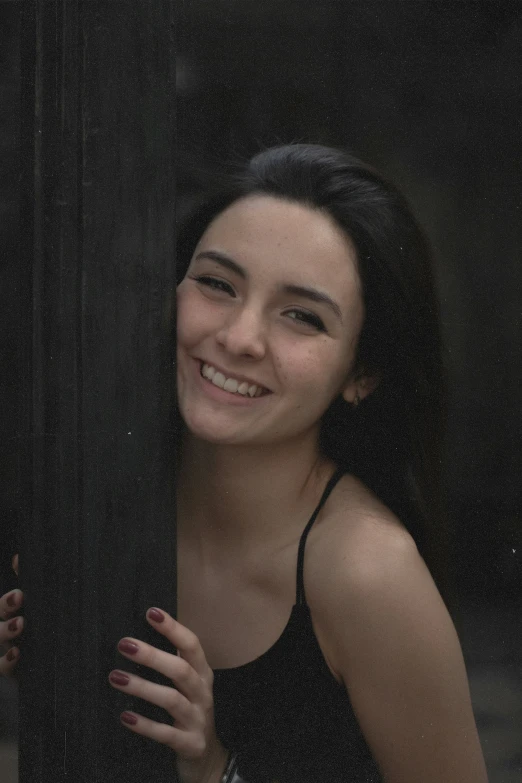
392	440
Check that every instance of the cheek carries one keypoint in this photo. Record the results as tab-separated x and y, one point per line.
192	319
182	320
317	371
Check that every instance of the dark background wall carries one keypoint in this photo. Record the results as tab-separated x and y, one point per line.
11	369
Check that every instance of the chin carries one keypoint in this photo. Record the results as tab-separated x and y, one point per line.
211	432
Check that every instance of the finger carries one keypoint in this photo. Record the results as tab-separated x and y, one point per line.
14	564
166	697
182	638
182	742
10	629
8	662
10	603
172	666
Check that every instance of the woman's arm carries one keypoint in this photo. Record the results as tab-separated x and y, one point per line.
390	639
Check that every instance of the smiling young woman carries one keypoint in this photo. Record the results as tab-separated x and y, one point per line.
313	642
280	309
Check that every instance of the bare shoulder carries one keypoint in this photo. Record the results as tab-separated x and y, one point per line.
364	574
388	638
360	540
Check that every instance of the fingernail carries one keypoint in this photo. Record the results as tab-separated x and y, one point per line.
13	625
11	655
11	599
128	717
119	678
128	647
156	615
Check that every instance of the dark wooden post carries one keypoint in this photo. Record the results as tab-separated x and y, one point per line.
97	546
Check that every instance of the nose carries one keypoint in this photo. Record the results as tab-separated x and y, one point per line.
243	334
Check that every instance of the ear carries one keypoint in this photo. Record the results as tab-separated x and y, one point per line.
358	387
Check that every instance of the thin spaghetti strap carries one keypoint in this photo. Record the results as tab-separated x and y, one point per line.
300	593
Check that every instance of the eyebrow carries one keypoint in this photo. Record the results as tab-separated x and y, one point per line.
224	260
296	290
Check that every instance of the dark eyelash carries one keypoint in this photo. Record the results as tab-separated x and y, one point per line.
215	283
220	285
309	318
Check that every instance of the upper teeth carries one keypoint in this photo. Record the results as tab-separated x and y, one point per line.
230	384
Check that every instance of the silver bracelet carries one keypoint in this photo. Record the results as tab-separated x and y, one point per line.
230	769
231	775
237	778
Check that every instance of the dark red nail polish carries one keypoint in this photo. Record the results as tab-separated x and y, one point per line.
128	647
128	717
156	615
11	599
119	678
10	655
13	625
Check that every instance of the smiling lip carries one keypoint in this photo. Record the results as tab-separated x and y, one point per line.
222	396
240	378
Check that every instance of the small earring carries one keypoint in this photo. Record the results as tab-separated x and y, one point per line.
357	399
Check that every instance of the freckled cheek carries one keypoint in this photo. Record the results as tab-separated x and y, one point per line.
311	372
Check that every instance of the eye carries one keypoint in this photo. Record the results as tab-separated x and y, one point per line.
309	319
215	284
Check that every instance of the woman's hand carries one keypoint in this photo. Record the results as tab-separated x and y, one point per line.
200	756
10	626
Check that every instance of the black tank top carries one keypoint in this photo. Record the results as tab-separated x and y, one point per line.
285	713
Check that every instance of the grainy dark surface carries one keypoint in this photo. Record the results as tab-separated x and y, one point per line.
97	529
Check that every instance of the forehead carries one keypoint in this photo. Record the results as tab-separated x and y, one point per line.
274	236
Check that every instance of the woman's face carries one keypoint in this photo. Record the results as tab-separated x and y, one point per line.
272	301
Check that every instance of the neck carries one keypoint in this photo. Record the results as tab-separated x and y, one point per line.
247	496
